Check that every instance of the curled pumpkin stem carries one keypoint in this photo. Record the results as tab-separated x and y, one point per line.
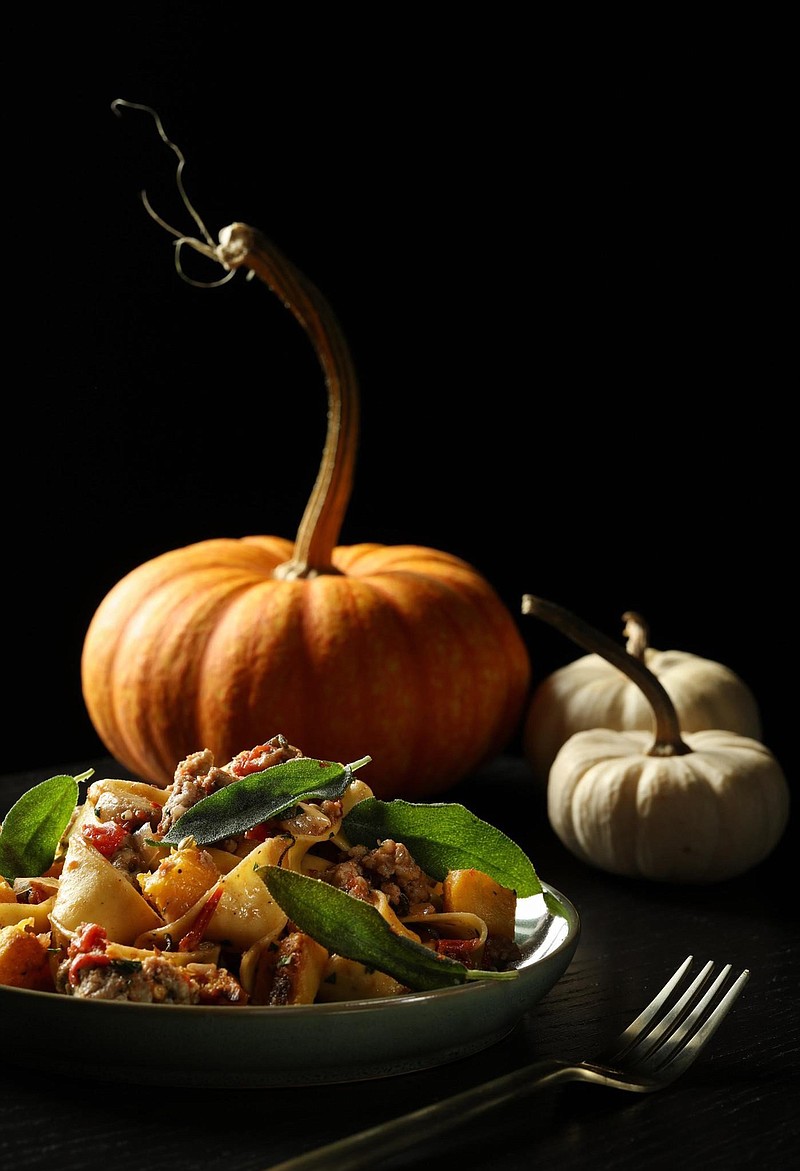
668	740
637	634
241	246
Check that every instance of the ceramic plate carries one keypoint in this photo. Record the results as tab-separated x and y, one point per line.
293	1045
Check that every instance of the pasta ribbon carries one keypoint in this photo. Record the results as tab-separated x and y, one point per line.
93	891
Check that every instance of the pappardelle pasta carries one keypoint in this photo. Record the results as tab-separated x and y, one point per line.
272	880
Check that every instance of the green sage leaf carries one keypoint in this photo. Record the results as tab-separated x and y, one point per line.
555	906
261	796
33	827
441	837
356	930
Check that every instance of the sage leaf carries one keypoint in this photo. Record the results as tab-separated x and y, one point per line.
441	837
555	906
261	796
33	827
349	927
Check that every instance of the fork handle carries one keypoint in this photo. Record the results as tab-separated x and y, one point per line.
363	1148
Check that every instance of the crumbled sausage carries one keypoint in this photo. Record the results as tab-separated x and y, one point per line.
195	777
127	852
153	981
349	877
255	760
216	985
135	812
389	868
128	861
500	954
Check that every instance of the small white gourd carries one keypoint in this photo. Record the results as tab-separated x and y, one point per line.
698	807
592	692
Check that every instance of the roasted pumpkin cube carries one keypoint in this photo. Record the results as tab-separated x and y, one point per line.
24	958
476	892
180	880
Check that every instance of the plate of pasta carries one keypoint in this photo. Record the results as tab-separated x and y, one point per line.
266	922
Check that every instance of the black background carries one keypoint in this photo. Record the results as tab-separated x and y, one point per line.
557	255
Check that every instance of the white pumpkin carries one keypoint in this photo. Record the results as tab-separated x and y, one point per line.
592	692
694	807
703	816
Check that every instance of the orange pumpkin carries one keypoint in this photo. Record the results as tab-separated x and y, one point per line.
402	653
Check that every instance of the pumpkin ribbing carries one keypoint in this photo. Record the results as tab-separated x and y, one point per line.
407	649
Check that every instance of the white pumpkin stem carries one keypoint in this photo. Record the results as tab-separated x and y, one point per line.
668	741
324	514
637	634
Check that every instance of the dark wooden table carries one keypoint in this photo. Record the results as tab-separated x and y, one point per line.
737	1107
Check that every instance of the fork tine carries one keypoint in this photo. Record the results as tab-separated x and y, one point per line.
635	1029
675	1056
662	1033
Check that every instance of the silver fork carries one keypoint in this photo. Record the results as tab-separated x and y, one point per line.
654	1050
